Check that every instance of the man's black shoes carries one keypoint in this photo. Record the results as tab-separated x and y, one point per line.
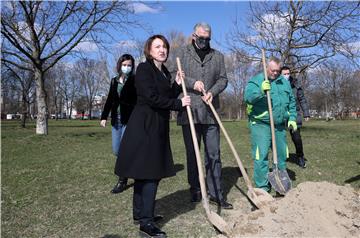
221	203
156	219
196	196
150	230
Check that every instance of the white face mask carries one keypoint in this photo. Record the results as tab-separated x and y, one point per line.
286	77
125	69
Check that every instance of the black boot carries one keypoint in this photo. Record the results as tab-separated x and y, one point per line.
302	162
120	186
195	196
150	230
221	203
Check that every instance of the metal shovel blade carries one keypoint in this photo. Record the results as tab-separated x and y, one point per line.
280	181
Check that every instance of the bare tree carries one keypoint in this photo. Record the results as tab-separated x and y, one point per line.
10	95
80	104
302	33
335	89
69	87
40	33
133	47
176	40
350	91
23	82
349	81
53	77
92	74
238	74
227	103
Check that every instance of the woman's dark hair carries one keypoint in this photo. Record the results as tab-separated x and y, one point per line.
148	43
285	68
123	58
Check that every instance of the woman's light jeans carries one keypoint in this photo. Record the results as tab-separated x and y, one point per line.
117	133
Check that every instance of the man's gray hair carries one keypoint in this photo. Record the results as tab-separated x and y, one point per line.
203	25
275	59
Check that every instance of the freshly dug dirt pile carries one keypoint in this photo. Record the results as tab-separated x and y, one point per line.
312	209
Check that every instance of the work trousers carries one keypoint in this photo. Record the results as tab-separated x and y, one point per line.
260	144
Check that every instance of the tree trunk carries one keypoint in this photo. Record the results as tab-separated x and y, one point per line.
42	115
28	106
71	107
60	108
67	114
3	106
90	108
24	111
55	105
70	111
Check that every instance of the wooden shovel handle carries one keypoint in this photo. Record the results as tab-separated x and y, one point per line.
273	140
196	145
236	155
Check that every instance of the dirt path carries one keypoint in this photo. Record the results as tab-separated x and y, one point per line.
312	209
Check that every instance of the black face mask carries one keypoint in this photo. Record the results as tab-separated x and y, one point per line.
202	43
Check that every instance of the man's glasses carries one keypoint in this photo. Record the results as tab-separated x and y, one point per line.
201	37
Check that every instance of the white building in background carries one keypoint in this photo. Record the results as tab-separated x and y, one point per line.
98	104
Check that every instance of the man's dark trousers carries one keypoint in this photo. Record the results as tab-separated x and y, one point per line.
296	138
211	136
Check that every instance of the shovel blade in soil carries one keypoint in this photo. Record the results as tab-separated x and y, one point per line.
259	197
280	181
219	222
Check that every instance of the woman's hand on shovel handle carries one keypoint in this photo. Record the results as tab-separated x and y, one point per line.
179	75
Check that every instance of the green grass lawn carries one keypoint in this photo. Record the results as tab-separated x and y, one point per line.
59	185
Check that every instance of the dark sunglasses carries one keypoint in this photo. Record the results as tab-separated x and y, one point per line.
202	38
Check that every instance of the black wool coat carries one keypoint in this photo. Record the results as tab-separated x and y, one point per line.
127	100
145	147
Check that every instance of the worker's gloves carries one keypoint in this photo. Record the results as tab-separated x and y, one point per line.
292	125
265	86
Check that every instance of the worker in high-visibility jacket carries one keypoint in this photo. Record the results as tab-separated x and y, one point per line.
283	109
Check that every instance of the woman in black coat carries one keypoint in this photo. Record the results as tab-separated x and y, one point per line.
145	153
120	101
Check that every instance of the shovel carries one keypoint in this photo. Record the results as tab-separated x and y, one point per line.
279	179
257	196
213	217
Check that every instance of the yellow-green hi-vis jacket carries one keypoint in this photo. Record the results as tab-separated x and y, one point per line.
282	98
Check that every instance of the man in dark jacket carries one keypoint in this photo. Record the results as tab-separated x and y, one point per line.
301	103
204	70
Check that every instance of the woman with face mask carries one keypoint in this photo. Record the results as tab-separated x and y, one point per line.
120	101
